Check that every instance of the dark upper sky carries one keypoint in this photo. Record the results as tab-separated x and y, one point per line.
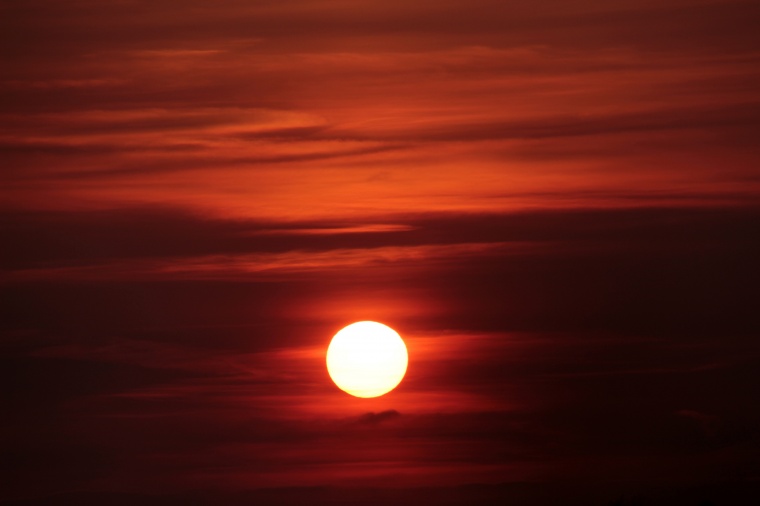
554	203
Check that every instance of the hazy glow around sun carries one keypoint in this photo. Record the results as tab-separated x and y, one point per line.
367	359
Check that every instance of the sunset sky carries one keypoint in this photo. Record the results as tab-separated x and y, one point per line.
556	204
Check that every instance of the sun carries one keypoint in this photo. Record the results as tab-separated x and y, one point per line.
367	359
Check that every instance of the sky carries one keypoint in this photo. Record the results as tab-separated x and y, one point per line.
554	203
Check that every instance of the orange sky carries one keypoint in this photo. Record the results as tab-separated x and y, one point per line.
554	203
342	110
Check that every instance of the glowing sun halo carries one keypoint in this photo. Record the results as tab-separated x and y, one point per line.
367	359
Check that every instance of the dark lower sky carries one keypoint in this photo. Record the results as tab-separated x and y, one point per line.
556	204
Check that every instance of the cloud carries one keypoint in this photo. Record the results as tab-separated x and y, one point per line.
377	418
42	239
553	202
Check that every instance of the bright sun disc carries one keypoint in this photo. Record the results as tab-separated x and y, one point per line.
367	359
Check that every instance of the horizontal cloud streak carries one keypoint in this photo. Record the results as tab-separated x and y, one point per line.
44	239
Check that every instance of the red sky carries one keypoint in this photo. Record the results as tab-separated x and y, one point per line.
554	203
